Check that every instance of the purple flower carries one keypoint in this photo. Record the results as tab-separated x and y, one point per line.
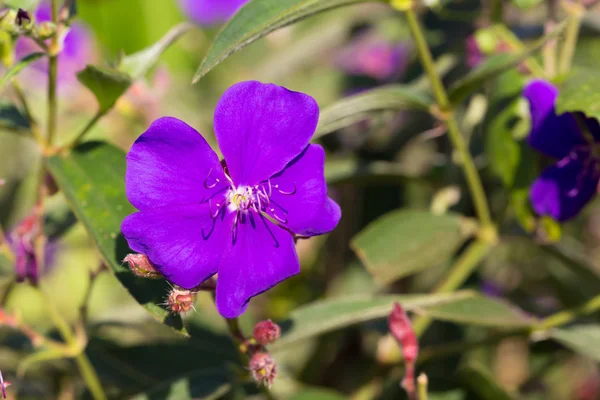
566	187
238	217
76	53
211	12
374	56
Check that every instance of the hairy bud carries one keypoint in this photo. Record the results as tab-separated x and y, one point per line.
402	330
180	301
23	18
140	265
263	368
266	332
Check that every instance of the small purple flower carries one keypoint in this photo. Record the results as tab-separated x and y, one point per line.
565	188
375	56
76	53
239	217
474	55
210	12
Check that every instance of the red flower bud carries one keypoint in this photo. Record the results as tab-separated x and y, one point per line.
140	265
402	330
180	301
263	368
266	332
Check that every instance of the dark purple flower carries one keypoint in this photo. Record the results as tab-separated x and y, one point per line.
473	53
566	187
76	53
374	56
239	217
210	12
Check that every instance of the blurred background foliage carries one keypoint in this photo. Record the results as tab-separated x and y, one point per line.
386	160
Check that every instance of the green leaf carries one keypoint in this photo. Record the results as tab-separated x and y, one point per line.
493	67
12	118
317	394
482	382
356	108
92	179
206	385
405	242
107	84
482	311
580	91
328	315
137	65
503	151
258	18
18	67
582	339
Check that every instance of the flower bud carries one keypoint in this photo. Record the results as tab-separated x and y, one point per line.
140	265
263	368
402	330
266	332
46	30
23	18
180	301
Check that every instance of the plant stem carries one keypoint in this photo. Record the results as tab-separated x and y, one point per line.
86	369
575	12
52	73
566	316
458	141
459	272
422	383
86	129
550	51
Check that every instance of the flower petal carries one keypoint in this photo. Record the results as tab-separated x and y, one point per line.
564	189
262	127
261	255
183	242
209	12
170	164
307	211
550	134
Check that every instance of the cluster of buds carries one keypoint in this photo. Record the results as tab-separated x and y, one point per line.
180	301
20	22
262	366
402	330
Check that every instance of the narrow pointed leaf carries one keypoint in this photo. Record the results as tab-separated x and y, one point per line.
258	18
481	311
92	179
405	242
18	67
12	118
355	108
138	64
328	315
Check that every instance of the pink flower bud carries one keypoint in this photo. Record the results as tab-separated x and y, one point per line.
140	265
3	385
266	332
263	368
402	330
180	301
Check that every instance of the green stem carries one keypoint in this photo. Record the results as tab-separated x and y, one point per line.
79	138
458	141
86	369
52	73
575	12
566	316
460	271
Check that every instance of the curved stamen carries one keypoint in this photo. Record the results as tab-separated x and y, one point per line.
277	217
214	214
206	185
284	192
